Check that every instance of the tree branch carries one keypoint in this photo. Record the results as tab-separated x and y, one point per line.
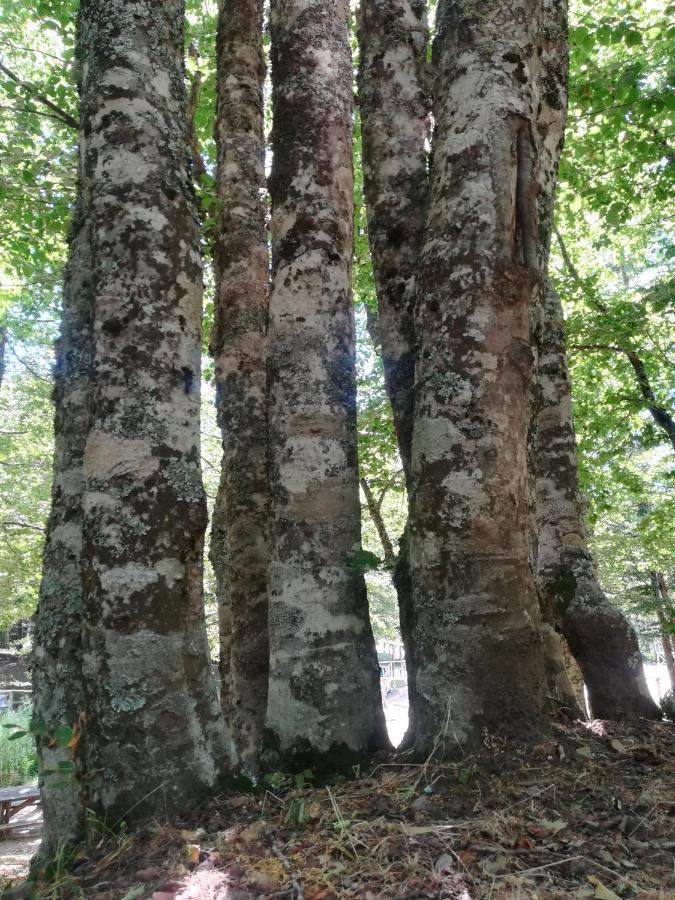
660	415
378	521
574	272
65	117
10	523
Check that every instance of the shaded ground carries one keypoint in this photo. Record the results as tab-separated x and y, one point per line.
16	851
589	813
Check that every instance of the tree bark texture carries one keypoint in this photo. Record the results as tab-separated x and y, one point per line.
666	619
476	628
57	650
394	106
324	694
154	733
393	37
553	74
601	639
240	540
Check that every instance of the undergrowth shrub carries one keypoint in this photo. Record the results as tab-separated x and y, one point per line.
18	762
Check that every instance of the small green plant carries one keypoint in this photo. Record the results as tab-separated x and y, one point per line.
18	759
465	774
362	561
303	777
297	814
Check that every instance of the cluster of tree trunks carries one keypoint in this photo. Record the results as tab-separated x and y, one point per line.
496	563
488	332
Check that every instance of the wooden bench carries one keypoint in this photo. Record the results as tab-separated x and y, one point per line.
13	800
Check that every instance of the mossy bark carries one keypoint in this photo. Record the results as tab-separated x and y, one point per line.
240	540
154	733
553	74
324	695
57	653
600	637
476	629
394	107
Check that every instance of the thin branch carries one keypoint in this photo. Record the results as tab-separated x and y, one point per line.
660	415
10	523
65	117
574	272
32	50
378	522
34	112
28	368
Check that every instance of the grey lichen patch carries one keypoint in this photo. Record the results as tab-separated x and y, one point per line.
318	626
601	639
143	511
477	283
240	534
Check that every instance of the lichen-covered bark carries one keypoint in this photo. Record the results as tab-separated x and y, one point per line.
601	639
324	694
571	600
239	542
57	656
393	38
394	107
553	75
154	732
476	628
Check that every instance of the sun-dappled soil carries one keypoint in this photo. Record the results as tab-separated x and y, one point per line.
588	813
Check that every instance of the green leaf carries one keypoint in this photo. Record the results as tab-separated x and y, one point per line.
63	735
632	38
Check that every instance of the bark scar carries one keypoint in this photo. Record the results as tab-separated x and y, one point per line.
526	199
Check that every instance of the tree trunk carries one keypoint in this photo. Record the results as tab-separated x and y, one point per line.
3	347
57	652
239	542
394	107
553	74
154	736
666	620
393	38
324	695
477	625
601	639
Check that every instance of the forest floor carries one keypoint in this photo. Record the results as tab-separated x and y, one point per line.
590	813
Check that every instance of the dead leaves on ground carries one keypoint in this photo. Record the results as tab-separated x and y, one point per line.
587	815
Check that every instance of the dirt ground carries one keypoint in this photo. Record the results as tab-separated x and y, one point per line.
17	850
589	813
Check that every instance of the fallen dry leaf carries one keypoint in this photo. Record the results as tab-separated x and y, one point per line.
602	892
